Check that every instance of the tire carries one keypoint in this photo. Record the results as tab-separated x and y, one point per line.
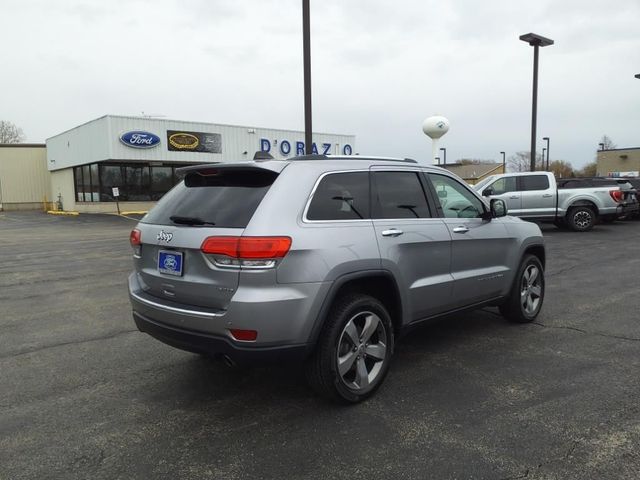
347	365
581	219
525	299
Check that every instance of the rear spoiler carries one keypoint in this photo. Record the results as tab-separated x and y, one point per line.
210	168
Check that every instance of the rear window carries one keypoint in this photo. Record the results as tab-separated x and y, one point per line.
534	182
221	197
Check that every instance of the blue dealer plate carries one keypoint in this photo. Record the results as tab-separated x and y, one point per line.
170	262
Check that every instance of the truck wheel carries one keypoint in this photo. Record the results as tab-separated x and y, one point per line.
354	350
581	219
527	293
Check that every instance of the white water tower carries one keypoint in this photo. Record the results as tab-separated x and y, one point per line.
435	127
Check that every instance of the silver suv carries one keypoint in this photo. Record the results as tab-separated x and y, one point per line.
326	261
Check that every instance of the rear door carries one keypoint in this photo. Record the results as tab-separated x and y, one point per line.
480	248
538	196
414	243
211	202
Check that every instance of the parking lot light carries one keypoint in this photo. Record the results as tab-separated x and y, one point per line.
536	41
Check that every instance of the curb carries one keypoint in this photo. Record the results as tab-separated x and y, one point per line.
135	212
61	212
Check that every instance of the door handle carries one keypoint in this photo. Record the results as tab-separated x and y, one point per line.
392	232
514	197
460	229
547	195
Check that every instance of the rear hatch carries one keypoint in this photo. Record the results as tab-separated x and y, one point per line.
211	201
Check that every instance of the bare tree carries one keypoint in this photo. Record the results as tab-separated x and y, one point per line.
561	168
10	133
589	170
607	143
520	162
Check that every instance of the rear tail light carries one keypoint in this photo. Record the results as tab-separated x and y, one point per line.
617	195
135	238
249	252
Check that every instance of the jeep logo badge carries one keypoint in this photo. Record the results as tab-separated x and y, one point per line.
164	236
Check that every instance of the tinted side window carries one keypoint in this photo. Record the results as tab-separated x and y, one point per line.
534	182
399	195
455	199
503	185
341	196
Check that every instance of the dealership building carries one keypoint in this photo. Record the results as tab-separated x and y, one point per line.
619	162
133	160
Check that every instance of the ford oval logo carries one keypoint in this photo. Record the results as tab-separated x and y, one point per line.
140	139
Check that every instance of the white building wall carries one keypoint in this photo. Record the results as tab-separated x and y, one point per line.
99	140
62	188
86	143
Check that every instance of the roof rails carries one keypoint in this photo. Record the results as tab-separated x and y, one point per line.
349	157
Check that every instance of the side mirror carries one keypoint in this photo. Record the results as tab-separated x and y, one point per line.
487	192
498	207
442	194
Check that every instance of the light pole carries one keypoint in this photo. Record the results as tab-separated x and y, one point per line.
536	41
504	162
306	52
546	139
637	75
543	156
437	159
444	156
601	146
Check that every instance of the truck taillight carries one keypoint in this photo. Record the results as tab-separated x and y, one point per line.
617	195
250	252
135	238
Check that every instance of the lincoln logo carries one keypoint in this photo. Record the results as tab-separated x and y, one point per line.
164	236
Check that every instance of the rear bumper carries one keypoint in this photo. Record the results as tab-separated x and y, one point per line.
629	209
283	316
198	342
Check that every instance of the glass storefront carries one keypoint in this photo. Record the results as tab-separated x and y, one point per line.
137	182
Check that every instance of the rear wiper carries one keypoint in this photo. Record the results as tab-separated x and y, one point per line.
189	220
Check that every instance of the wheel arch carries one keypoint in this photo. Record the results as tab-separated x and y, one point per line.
584	203
537	251
378	283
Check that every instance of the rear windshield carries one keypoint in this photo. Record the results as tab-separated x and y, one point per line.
222	198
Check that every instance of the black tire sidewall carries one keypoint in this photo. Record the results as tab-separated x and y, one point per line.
514	310
344	310
572	213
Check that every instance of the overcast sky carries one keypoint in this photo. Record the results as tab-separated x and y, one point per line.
379	67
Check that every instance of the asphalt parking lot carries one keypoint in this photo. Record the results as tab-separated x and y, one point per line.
83	394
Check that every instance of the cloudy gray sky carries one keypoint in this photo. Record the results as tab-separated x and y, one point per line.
379	68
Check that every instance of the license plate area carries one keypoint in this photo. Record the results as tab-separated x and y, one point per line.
170	262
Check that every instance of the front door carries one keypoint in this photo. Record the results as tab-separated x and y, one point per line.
505	188
480	248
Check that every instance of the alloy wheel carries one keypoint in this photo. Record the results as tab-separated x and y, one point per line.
362	351
531	290
582	219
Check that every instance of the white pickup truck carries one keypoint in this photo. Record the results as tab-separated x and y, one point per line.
536	196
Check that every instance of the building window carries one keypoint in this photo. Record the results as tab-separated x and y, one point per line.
136	182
